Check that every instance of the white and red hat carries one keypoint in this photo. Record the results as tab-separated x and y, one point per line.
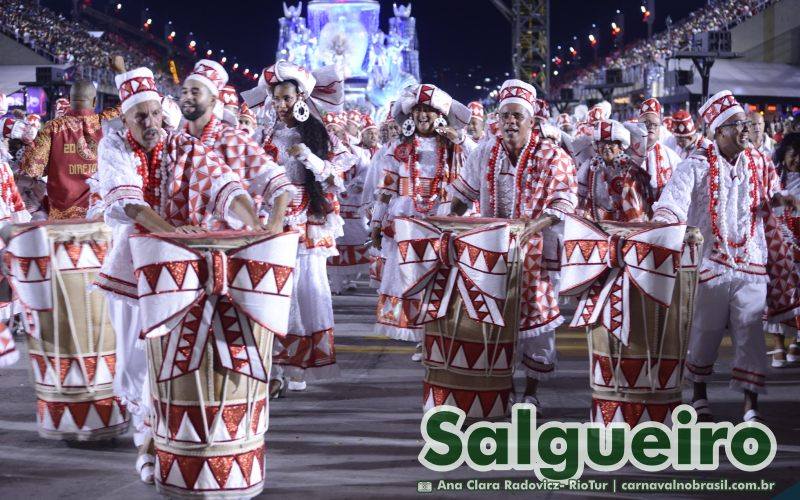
61	106
333	118
719	108
476	109
542	109
518	92
367	122
284	70
650	106
611	130
605	108
211	74
564	119
354	116
595	115
34	121
136	86
171	112
244	110
456	114
682	124
228	96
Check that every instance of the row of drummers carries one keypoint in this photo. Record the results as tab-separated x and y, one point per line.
609	204
194	312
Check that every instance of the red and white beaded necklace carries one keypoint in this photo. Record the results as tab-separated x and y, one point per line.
153	179
521	168
210	132
424	204
718	200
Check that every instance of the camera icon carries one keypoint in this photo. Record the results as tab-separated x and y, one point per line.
424	487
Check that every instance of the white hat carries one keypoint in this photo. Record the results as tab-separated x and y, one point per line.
324	88
211	74
136	86
611	130
605	106
682	124
456	114
171	112
476	109
650	106
519	92
719	108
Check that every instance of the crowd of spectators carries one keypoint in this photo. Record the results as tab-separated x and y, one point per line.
68	42
717	15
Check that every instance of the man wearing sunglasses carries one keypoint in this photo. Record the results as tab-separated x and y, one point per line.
725	189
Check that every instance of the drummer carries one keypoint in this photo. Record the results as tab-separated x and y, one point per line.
732	291
203	88
158	181
519	175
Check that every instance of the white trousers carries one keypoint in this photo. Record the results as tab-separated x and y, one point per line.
130	378
736	306
539	355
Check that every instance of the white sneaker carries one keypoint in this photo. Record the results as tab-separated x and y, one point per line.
297	385
531	399
417	356
793	354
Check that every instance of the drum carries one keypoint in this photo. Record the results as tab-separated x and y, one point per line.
70	340
472	318
637	377
210	305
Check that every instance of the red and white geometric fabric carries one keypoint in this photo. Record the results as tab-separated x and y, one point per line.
198	294
136	86
213	76
196	187
61	106
478	404
436	262
612	130
8	348
476	108
259	175
518	92
682	124
719	108
228	96
613	192
333	118
650	106
601	267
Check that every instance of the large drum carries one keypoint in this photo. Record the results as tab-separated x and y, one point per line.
643	303
70	340
210	306
469	269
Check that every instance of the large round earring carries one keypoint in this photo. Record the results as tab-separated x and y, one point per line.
300	111
409	127
440	122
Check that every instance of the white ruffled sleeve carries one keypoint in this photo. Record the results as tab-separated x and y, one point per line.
119	182
676	197
467	186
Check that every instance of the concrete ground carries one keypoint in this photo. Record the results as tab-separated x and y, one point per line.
359	436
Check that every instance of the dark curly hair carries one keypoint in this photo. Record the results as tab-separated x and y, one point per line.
789	141
313	134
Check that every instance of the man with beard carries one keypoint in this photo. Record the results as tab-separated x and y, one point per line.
521	175
264	179
475	125
65	151
724	189
153	180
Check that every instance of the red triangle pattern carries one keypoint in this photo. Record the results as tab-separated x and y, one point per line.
80	410
220	466
464	399
632	412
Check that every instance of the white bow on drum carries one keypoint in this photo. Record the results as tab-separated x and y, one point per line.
189	291
600	267
435	261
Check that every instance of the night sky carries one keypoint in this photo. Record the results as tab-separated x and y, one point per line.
461	42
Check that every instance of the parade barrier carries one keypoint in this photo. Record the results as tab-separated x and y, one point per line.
469	272
70	340
635	284
210	305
